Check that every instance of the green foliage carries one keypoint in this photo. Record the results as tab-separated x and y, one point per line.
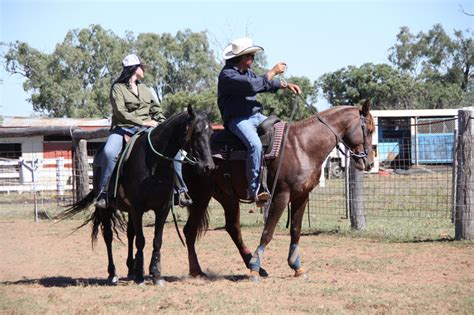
430	70
281	103
205	100
75	80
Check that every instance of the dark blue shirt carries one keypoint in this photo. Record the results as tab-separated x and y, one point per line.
237	92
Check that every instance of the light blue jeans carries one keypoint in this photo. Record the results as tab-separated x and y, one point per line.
245	128
114	146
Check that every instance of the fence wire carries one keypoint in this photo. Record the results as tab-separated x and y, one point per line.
414	177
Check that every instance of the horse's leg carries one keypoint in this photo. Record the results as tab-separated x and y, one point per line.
130	260
294	258
277	206
232	226
137	217
107	233
155	265
197	212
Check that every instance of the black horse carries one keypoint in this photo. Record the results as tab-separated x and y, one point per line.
147	183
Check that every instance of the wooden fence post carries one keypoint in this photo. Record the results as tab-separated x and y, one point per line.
356	202
464	217
81	165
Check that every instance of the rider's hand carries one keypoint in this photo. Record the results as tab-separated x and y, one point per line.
277	69
294	88
150	123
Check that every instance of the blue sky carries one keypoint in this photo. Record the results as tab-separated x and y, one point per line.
312	37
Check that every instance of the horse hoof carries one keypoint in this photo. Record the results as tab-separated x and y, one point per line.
263	273
254	276
112	280
200	275
159	282
139	281
301	273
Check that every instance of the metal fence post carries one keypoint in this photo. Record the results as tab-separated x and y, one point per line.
60	176
464	217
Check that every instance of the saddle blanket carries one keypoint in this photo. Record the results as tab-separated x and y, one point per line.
270	153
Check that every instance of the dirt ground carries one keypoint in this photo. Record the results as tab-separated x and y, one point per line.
45	269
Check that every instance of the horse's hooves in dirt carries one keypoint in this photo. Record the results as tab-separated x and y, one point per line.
254	276
112	280
200	275
159	282
300	273
140	281
263	273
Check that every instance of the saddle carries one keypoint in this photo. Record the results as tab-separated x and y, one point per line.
112	185
227	146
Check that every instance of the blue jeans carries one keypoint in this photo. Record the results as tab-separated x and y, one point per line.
114	146
245	128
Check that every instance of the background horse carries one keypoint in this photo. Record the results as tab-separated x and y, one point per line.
146	183
308	144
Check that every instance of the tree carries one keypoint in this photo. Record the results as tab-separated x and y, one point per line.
387	87
75	80
430	70
281	103
434	56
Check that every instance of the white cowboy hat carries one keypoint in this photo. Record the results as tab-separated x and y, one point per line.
240	47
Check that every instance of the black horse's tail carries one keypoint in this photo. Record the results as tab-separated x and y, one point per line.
202	223
103	218
77	207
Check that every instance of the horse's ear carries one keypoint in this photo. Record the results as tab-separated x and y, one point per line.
365	108
191	112
208	111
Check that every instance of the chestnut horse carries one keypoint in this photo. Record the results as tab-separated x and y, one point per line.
308	144
147	183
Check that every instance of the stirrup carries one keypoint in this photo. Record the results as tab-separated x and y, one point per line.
183	199
101	201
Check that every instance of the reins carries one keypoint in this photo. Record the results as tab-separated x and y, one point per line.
323	121
186	159
338	138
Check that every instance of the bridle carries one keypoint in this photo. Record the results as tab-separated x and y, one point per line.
352	153
187	159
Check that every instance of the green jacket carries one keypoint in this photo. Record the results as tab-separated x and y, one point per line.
130	110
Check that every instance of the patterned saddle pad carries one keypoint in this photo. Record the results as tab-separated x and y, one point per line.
227	146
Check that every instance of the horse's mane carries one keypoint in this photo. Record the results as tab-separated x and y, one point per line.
325	113
335	110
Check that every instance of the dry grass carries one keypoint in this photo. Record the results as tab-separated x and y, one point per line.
45	270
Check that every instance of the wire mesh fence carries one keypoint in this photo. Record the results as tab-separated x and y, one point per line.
414	178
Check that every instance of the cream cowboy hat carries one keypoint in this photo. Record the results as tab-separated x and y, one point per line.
240	47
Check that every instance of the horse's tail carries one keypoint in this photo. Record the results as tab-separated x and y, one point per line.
203	223
103	218
109	218
77	207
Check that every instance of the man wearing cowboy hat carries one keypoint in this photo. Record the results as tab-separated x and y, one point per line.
237	99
